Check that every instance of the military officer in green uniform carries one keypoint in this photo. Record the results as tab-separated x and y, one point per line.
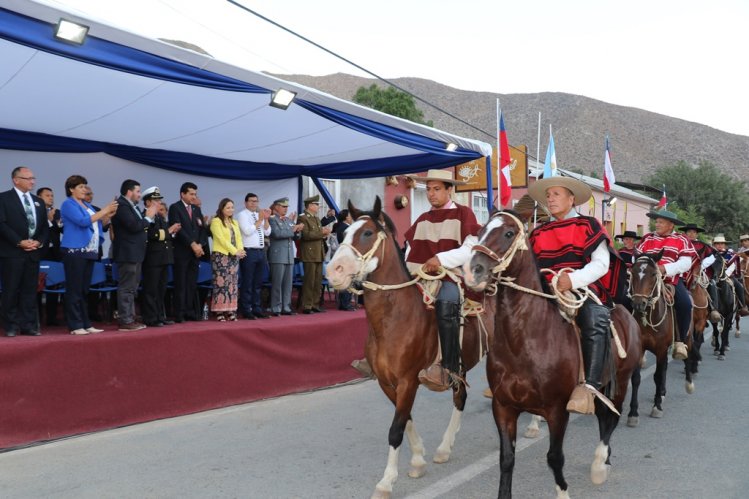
312	254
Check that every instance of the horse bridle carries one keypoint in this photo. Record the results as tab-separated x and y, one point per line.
655	294
504	261
364	258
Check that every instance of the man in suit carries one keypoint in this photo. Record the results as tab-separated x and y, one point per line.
283	232
188	248
52	249
159	255
312	254
129	250
23	237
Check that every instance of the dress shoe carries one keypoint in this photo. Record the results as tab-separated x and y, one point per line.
133	326
348	309
249	317
308	311
261	315
155	324
94	330
79	332
31	332
318	310
167	322
11	333
287	312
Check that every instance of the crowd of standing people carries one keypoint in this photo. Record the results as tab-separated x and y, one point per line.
260	244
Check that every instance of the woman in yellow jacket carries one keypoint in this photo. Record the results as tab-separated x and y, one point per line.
225	256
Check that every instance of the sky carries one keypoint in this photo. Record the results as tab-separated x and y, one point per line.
679	58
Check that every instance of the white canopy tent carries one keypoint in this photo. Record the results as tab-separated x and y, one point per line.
123	106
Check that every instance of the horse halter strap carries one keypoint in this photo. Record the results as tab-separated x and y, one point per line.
517	244
365	258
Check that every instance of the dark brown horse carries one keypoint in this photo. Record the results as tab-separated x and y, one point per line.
657	323
402	332
534	359
700	312
744	276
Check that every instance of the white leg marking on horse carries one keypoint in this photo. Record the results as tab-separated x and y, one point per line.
448	439
385	486
689	385
497	222
418	463
533	430
562	494
599	470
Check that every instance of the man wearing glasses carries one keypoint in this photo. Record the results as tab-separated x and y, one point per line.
23	235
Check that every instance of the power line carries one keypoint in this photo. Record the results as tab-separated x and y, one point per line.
361	68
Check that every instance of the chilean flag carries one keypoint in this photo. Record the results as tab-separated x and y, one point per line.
664	200
608	172
505	182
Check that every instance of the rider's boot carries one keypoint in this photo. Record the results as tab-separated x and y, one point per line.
593	320
740	294
441	377
712	291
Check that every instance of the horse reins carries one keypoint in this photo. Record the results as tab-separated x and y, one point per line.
652	298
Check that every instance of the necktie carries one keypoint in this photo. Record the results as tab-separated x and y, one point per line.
259	231
29	214
189	211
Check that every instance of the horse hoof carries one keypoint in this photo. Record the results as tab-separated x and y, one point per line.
721	357
737	334
656	413
441	457
716	352
633	421
417	471
599	474
728	349
381	494
690	388
531	433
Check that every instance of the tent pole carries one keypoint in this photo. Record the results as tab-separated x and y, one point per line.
489	186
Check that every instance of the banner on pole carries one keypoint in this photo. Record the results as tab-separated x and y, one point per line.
474	172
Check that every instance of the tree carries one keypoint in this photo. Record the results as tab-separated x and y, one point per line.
705	194
390	101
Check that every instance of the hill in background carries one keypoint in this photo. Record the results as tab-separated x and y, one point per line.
641	141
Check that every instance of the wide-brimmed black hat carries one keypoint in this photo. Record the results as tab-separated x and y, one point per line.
628	233
666	215
691	227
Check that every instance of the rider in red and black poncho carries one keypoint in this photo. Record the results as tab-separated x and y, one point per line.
706	254
675	264
578	242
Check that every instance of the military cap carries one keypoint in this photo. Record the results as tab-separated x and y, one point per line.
312	199
152	193
282	202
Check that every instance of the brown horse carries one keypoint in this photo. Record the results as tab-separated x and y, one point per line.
657	323
534	359
402	332
744	276
700	312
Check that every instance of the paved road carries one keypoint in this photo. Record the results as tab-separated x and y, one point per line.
333	444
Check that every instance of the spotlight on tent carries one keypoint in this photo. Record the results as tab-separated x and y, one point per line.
611	201
451	147
69	31
282	98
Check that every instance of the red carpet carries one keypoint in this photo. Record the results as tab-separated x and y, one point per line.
57	385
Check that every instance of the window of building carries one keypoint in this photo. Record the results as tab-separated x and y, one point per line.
479	204
419	202
334	188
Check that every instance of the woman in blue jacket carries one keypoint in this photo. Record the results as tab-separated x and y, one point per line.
80	248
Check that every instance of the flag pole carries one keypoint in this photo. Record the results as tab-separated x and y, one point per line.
538	156
499	162
603	199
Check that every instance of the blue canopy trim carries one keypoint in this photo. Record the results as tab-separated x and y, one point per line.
39	35
220	168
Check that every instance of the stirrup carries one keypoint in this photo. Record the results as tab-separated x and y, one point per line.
592	393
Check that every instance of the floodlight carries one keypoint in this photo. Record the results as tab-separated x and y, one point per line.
69	31
282	98
611	201
451	147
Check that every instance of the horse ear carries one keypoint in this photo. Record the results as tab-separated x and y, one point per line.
377	207
353	211
658	256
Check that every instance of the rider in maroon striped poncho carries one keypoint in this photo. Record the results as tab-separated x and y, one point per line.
675	264
443	236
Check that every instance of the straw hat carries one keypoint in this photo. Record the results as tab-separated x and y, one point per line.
440	176
579	189
743	237
720	238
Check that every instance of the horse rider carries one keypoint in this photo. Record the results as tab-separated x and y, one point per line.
706	254
571	240
731	260
675	263
744	240
443	237
629	240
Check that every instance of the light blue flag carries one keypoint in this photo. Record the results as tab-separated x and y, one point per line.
550	165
